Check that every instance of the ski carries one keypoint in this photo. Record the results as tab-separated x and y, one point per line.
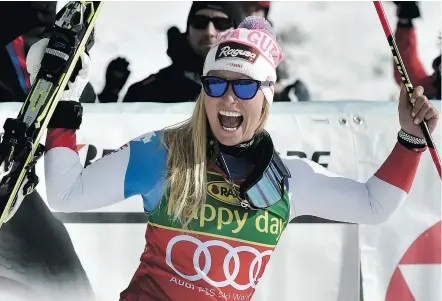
20	148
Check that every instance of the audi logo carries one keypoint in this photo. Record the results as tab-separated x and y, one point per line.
201	273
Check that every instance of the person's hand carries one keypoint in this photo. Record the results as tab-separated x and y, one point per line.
78	79
117	74
407	9
300	90
411	113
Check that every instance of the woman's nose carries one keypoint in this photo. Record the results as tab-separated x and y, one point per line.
229	96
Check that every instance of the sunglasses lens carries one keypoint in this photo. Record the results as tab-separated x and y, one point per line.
199	22
214	86
222	23
245	89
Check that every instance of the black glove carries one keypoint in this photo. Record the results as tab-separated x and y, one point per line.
300	90
175	43
407	10
117	74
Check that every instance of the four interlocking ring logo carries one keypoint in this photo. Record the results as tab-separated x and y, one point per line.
203	247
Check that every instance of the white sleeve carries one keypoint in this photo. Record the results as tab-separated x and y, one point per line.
70	187
316	191
135	169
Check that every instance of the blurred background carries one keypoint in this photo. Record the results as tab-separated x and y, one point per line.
338	49
333	50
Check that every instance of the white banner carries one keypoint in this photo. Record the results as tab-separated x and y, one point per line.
313	262
401	259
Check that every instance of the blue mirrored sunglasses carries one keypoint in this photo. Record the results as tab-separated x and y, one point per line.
243	88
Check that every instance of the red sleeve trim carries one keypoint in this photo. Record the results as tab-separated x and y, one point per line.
61	138
400	167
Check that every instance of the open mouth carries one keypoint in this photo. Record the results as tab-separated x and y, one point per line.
230	121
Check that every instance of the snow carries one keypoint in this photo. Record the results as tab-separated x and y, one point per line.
337	48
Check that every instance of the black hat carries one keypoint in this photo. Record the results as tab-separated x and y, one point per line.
231	9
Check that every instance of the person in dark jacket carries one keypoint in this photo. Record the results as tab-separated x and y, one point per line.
37	258
18	21
187	52
405	37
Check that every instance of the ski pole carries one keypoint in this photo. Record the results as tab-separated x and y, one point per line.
406	80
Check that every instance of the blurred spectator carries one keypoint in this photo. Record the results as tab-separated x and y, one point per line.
256	8
405	36
117	74
299	89
180	82
282	93
23	23
20	22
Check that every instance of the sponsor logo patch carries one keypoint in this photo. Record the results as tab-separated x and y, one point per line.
222	191
236	50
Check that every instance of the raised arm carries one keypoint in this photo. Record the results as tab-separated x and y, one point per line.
135	169
317	191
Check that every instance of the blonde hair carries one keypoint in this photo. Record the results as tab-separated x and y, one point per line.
187	162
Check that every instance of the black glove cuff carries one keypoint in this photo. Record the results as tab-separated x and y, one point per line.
67	115
405	23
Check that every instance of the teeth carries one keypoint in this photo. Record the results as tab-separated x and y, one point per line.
230	129
230	114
